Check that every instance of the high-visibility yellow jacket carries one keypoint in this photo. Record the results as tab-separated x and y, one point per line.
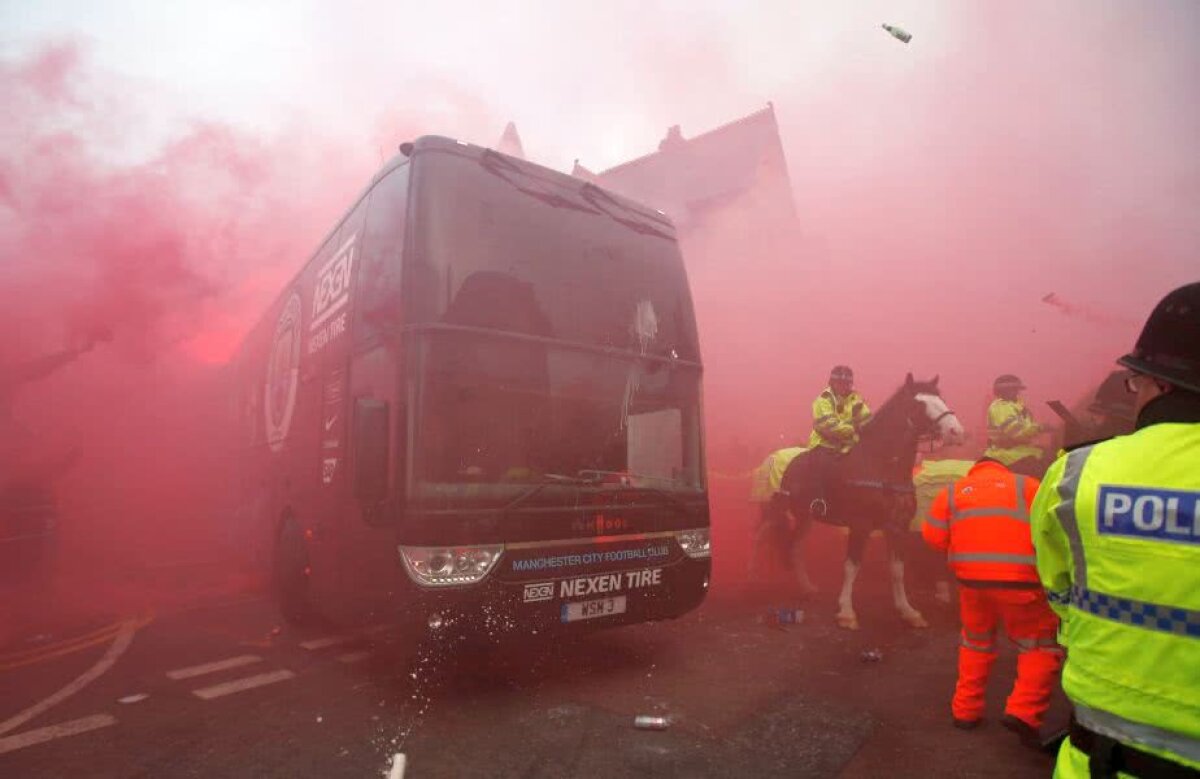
928	480
1116	526
836	420
1011	430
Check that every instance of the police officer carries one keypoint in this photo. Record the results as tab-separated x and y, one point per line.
1116	526
838	414
1012	429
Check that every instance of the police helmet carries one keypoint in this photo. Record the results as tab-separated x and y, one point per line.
841	373
1169	346
1007	383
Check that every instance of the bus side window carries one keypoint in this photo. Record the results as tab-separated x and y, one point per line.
378	314
371	447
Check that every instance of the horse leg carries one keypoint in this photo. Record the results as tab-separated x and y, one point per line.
856	543
803	525
761	540
899	594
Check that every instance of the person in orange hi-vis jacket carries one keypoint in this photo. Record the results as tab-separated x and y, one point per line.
982	523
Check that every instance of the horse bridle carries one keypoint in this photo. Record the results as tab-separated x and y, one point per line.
930	432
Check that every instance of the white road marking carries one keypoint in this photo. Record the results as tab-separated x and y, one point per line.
42	735
141	696
323	643
398	765
354	657
238	685
213	667
115	650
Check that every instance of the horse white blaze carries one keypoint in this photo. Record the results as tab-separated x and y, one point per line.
950	429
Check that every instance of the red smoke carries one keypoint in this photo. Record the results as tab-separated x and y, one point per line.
153	262
153	258
942	189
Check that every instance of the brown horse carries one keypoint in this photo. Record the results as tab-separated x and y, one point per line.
871	488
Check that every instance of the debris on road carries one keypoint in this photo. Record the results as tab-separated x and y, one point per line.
651	722
871	656
782	616
141	696
398	765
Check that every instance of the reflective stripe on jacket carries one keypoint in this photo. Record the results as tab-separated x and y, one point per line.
982	522
836	420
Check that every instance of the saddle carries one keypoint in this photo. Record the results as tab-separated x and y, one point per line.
810	483
815	489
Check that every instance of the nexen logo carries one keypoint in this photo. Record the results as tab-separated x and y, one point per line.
540	591
1158	514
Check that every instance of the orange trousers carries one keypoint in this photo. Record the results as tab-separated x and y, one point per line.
1032	626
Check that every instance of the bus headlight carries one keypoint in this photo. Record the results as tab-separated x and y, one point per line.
696	543
449	566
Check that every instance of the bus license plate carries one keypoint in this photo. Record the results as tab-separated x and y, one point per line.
590	609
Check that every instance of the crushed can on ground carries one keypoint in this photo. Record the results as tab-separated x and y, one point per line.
777	617
651	722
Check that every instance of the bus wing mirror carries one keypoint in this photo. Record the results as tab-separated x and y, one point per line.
371	437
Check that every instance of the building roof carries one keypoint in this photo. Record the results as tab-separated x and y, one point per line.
687	174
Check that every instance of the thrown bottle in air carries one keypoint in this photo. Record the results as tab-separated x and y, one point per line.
899	33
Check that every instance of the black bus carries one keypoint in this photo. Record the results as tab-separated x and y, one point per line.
480	398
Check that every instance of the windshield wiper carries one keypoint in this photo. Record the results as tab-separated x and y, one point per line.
593	193
547	479
664	494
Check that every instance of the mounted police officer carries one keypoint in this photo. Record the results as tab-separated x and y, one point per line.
1012	429
1116	526
838	414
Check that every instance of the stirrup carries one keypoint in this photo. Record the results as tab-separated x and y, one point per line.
818	508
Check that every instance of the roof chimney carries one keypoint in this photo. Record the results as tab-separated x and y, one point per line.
673	140
581	172
510	143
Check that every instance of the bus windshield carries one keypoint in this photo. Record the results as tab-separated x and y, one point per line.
555	338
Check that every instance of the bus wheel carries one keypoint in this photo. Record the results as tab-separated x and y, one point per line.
291	575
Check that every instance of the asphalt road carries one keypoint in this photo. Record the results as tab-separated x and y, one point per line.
221	688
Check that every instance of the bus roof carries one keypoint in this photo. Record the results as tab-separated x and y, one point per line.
437	143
